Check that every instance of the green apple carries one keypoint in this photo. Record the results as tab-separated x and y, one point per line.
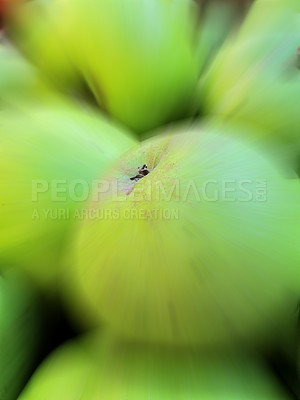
109	368
254	78
138	58
20	82
204	248
20	333
36	27
216	22
49	156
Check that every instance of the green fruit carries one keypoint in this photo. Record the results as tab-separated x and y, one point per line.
138	59
38	30
20	82
49	157
20	333
216	23
113	369
202	249
254	78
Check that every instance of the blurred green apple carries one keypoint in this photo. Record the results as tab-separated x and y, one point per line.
20	333
254	77
201	248
137	57
20	82
49	156
109	368
217	21
36	27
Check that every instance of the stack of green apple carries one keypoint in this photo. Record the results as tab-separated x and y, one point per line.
184	246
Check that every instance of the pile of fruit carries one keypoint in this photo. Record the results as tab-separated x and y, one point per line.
149	200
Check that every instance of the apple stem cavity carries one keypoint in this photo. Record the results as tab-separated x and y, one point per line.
142	171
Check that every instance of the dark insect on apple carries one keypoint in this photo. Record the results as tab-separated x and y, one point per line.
142	171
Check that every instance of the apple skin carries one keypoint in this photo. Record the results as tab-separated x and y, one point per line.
211	266
217	22
41	146
139	59
21	330
36	29
254	77
107	367
20	82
